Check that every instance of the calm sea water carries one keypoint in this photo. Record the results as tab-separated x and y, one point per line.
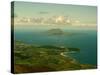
85	39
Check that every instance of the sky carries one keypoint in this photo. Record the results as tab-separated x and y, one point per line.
78	13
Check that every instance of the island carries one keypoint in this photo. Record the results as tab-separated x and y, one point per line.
56	31
60	32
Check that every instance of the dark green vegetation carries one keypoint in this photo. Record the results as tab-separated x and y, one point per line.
30	58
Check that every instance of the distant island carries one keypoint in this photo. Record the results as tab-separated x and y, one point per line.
55	32
59	32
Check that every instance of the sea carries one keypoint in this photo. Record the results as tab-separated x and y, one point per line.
83	38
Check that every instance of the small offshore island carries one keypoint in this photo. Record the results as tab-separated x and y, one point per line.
60	32
31	58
